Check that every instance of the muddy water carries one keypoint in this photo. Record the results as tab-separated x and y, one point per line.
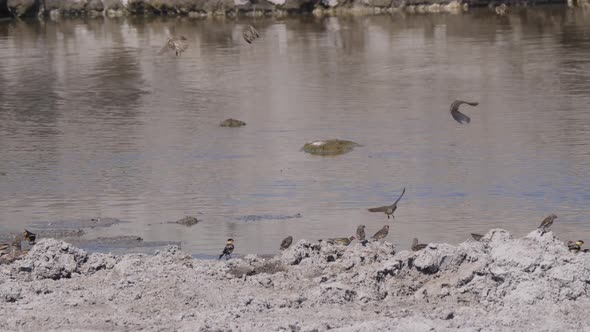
94	124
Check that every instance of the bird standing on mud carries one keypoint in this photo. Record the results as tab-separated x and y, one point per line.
458	116
388	209
250	34
381	234
341	240
547	222
417	246
286	243
360	233
29	236
229	248
575	247
178	45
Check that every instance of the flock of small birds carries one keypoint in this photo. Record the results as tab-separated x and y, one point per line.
180	44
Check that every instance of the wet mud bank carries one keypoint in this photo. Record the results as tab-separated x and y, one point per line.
498	283
233	8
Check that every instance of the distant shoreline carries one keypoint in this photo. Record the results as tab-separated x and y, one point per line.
244	8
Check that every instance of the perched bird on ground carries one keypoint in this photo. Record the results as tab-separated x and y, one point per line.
547	222
250	34
458	116
388	209
501	9
29	236
381	234
286	243
417	246
229	248
575	247
476	237
341	240
360	233
178	45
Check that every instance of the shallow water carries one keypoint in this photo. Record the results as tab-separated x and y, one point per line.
94	123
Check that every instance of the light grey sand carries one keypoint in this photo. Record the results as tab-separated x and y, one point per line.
498	284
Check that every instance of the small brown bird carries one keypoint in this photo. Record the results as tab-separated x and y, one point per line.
381	234
458	116
417	246
360	233
476	237
547	222
30	236
341	240
178	45
250	34
286	243
388	209
229	248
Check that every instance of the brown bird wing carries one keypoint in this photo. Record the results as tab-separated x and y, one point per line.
286	242
418	247
379	209
458	116
476	237
400	196
380	234
546	222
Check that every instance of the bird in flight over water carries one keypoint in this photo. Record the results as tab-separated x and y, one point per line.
388	209
176	44
458	116
250	34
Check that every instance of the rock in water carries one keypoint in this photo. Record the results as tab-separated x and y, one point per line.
232	123
331	147
188	221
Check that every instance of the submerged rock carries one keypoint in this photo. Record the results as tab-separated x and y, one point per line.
232	123
331	147
188	221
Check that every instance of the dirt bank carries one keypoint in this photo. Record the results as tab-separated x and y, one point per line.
234	8
497	284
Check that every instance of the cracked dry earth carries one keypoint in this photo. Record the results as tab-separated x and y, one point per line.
498	284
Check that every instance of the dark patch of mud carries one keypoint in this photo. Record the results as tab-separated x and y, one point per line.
74	224
259	217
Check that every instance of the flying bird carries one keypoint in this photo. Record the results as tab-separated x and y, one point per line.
250	34
458	116
388	209
229	248
476	237
178	45
547	222
417	246
286	243
382	233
